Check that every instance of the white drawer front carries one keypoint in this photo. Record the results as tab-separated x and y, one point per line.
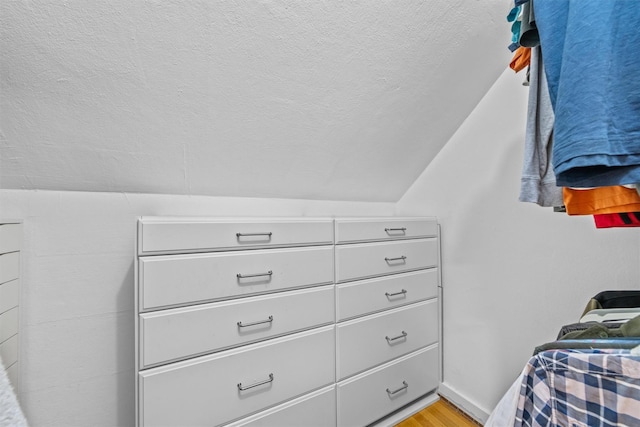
9	266
178	333
365	342
8	324
374	394
317	409
206	391
360	261
368	230
368	296
204	235
10	238
184	279
9	295
9	351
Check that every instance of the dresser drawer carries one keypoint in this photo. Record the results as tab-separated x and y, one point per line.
376	393
360	261
317	409
9	266
8	324
183	279
368	341
382	293
212	390
350	230
10	238
178	333
9	295
173	235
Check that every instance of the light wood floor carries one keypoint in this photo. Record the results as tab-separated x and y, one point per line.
440	414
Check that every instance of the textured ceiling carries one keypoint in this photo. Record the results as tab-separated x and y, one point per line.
335	100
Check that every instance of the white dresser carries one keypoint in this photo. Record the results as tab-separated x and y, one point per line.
240	321
235	317
10	246
387	313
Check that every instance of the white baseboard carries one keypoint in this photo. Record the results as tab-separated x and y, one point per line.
470	408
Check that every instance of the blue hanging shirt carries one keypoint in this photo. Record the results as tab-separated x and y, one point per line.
591	51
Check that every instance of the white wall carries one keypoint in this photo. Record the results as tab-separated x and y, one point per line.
319	99
77	332
513	273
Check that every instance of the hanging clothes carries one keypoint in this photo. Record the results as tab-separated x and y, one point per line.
593	72
521	59
529	36
538	182
616	220
601	200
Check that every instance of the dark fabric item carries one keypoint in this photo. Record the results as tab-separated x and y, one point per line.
595	330
529	36
613	299
628	329
573	327
618	299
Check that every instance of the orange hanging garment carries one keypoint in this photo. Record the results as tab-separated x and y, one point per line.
521	59
601	200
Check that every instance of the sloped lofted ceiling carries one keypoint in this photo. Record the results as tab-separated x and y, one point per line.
335	100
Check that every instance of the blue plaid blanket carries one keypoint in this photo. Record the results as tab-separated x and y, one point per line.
580	388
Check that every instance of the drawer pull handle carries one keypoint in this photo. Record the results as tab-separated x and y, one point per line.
268	234
391	230
404	387
402	335
246	276
400	258
259	383
395	294
244	325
